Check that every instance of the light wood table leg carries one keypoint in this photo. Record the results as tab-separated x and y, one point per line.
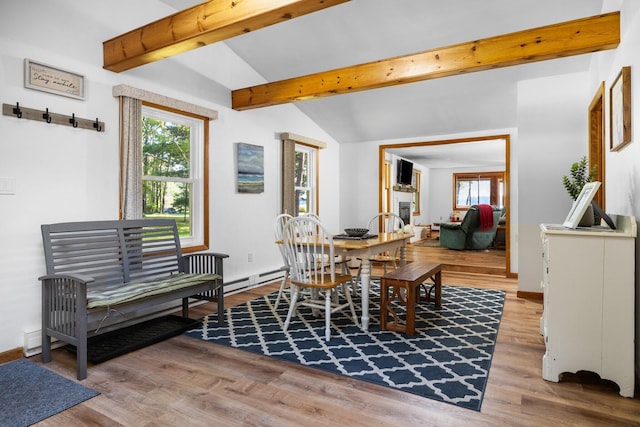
365	278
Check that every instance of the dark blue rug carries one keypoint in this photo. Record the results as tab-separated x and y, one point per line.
30	393
447	360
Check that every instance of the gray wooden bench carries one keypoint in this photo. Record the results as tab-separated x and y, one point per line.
107	272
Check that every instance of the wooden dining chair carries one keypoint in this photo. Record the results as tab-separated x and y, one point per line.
341	260
278	230
385	222
311	257
280	223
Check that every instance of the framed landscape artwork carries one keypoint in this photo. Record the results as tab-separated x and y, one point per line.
250	160
620	110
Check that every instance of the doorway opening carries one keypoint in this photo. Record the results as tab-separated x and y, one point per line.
383	165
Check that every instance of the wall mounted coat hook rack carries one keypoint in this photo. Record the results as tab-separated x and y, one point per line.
58	119
17	110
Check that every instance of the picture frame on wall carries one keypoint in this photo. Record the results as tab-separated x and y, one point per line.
581	204
57	81
250	168
620	110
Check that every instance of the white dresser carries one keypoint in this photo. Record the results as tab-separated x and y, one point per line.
589	299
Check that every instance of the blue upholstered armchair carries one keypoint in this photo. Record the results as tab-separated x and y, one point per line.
467	234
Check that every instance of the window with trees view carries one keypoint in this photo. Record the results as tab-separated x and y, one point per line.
174	171
478	188
305	180
416	178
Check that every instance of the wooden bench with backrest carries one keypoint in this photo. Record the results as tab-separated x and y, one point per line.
103	273
410	277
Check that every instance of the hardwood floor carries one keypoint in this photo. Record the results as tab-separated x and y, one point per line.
487	261
187	382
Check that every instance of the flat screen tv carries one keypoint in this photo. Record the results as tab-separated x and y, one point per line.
405	172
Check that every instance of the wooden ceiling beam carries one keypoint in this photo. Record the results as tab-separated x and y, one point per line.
550	42
199	26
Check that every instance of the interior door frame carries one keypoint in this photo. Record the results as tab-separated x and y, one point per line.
596	142
507	178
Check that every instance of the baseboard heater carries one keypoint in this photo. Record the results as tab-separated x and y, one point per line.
254	281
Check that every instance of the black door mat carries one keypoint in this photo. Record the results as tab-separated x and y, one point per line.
121	341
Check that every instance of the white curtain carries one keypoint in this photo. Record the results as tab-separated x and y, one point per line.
288	176
131	157
131	100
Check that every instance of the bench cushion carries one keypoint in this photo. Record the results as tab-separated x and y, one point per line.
109	295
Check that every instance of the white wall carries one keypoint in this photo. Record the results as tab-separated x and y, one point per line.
360	183
552	133
66	174
622	168
425	209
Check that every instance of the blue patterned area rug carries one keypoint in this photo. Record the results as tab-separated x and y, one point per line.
447	360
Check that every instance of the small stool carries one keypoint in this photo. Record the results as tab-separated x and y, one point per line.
410	277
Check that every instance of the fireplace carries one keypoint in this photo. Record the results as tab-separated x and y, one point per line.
404	211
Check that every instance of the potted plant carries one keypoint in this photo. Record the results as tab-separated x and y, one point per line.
579	175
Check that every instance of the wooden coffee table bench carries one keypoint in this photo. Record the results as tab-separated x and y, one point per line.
410	277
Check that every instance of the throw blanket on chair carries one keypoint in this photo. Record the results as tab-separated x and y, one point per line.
486	217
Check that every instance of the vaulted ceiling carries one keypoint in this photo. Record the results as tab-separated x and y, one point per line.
361	31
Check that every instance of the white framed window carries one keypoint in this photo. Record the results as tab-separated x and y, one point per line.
416	178
478	187
305	179
300	170
175	172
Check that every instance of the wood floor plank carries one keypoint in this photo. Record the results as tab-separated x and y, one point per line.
186	381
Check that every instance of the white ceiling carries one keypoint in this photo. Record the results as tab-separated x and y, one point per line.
479	154
366	30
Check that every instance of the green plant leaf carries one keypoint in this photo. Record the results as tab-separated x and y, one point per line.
579	175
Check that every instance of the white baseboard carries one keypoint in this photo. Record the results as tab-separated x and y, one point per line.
33	343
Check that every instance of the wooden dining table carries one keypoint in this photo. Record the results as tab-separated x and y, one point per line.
366	249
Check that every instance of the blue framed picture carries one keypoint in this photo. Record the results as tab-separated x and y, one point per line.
250	159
